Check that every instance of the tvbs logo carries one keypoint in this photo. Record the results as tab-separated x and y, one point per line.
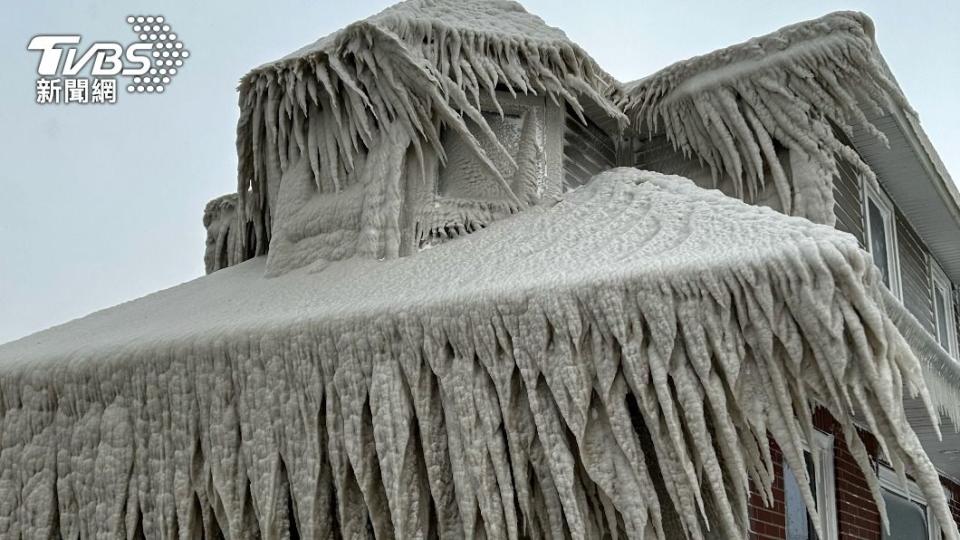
108	58
148	64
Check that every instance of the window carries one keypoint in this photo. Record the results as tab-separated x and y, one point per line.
882	237
820	472
907	510
526	127
946	331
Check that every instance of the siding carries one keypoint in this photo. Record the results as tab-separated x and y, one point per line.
848	202
657	154
587	151
914	269
914	273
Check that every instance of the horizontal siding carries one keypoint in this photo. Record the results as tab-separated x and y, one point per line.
656	153
913	254
914	273
587	151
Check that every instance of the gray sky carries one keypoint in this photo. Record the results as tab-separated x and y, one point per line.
103	204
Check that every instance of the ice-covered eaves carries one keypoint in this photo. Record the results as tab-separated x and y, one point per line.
416	68
616	374
792	88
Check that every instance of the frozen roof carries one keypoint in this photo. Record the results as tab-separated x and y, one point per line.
493	19
601	234
707	310
830	66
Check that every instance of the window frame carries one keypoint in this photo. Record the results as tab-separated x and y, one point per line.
939	277
890	482
825	477
889	215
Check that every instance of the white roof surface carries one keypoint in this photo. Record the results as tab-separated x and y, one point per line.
599	233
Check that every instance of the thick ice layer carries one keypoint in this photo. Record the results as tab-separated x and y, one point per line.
398	79
792	88
613	362
224	237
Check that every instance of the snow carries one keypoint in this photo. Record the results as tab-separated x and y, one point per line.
791	87
553	374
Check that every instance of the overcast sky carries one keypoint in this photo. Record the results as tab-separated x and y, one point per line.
103	204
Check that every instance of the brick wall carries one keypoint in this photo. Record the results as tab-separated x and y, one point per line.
769	523
857	515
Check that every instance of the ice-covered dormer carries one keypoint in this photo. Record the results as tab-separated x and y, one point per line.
424	122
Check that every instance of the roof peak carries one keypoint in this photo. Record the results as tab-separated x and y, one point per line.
411	20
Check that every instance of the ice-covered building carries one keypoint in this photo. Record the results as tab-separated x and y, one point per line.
446	302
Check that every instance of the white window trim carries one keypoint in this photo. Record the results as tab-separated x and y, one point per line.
826	484
822	452
890	482
889	217
938	277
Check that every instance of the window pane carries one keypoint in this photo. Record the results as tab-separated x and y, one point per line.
908	519
878	240
940	307
799	526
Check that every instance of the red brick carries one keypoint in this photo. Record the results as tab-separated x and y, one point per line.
857	515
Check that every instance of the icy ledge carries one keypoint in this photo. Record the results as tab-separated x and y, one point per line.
613	362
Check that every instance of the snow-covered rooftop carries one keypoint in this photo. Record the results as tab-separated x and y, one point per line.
607	232
705	309
472	19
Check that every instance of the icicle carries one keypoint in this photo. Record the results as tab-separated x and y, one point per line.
394	69
568	394
792	86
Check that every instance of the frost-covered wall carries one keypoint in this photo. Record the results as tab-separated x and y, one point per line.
588	150
657	153
620	376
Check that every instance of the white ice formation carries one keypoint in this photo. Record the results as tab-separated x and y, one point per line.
360	107
224	237
794	88
615	375
608	363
